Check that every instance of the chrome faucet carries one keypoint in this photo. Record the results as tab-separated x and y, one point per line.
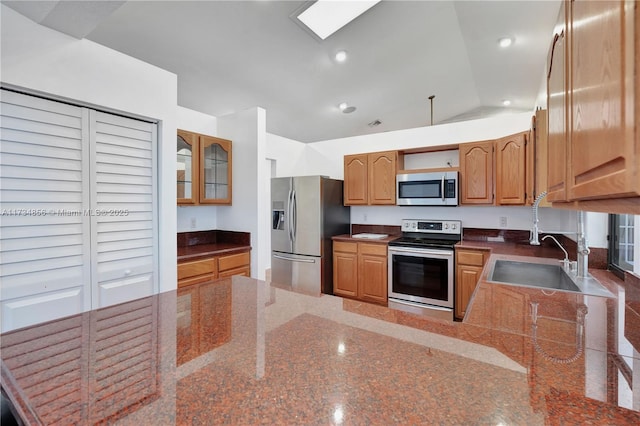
583	247
533	238
566	263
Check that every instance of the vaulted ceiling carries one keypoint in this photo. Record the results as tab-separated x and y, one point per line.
234	55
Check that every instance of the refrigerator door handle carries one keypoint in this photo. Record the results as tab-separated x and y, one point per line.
294	260
294	218
289	215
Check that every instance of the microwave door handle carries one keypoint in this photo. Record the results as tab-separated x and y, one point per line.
442	187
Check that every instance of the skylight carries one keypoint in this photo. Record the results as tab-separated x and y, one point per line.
325	17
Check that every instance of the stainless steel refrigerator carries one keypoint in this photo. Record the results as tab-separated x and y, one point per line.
306	212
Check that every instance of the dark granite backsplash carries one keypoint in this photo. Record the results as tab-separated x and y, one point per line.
375	229
597	256
186	239
480	234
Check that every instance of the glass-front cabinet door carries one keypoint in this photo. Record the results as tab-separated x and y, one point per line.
215	170
187	170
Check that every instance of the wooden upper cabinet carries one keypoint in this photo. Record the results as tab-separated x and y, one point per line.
476	173
540	163
204	169
356	178
382	177
511	169
603	148
370	178
187	170
215	170
557	104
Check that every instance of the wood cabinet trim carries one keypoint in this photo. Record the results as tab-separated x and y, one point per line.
191	139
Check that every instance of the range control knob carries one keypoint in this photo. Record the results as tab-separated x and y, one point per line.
446	226
453	226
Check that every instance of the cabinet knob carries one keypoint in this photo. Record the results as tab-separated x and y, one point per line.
127	272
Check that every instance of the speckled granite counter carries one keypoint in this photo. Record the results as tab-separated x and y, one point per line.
350	238
202	244
238	351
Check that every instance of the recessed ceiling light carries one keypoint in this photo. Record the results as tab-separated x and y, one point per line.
342	106
325	17
341	56
505	41
349	110
506	102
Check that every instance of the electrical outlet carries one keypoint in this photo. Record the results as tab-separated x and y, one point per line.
193	223
503	221
364	217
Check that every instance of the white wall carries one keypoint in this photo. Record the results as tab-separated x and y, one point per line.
43	61
444	134
288	155
247	130
196	218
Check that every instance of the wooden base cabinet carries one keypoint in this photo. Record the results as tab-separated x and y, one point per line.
360	271
469	265
211	268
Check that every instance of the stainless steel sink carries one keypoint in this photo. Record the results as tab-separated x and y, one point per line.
542	275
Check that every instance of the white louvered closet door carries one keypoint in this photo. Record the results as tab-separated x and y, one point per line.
44	186
77	196
123	225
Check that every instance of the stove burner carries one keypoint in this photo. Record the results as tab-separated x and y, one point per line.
423	242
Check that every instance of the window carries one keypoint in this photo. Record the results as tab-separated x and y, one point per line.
624	243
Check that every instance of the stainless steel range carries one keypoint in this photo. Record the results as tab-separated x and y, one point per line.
421	265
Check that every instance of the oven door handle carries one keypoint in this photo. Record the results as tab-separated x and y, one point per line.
421	252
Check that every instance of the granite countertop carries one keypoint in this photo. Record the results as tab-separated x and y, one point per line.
350	238
202	244
238	351
201	251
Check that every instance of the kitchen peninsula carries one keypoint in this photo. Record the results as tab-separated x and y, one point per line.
291	358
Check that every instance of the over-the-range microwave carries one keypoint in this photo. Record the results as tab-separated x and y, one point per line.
427	189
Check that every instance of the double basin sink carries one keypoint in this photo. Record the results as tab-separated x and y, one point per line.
544	276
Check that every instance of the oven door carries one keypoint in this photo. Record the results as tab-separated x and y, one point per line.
421	275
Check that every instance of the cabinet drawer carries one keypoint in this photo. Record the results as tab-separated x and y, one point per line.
473	258
345	247
245	271
234	261
196	280
196	267
374	249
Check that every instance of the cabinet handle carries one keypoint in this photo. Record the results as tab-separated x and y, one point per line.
553	48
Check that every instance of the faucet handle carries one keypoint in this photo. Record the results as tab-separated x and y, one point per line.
566	263
573	266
